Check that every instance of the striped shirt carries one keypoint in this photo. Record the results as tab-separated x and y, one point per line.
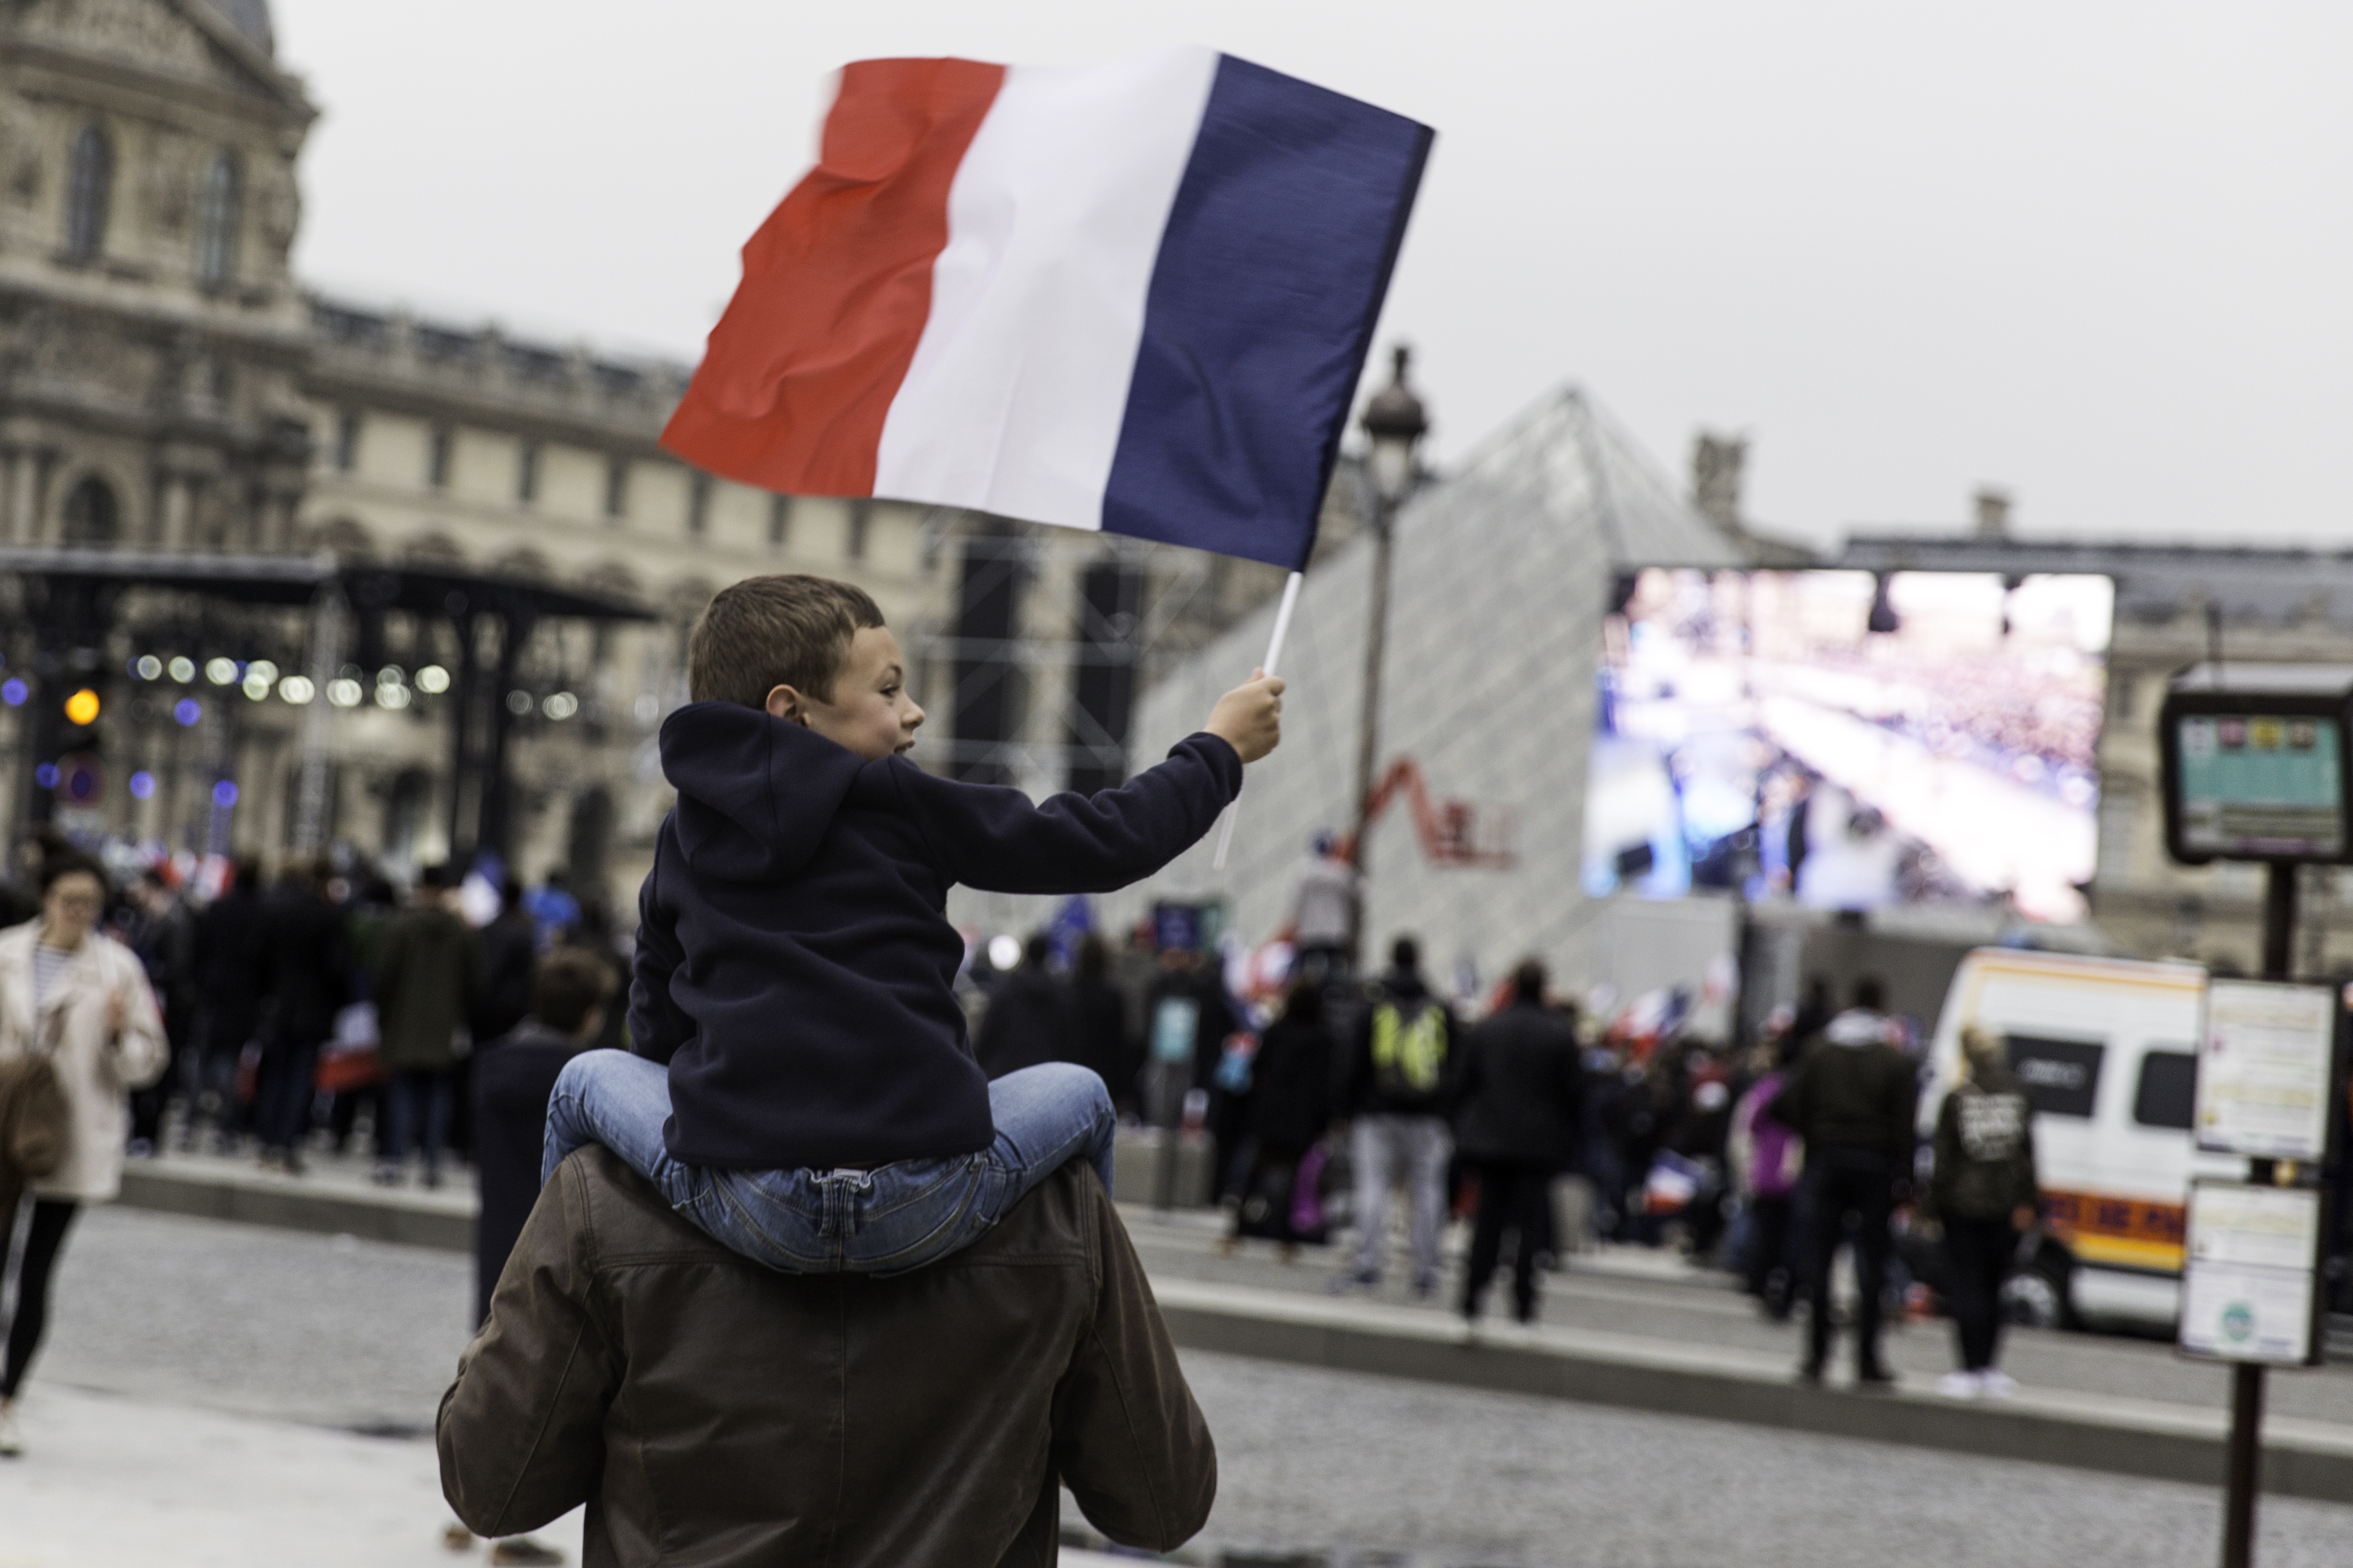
48	963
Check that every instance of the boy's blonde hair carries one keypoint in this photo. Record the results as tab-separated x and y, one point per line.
786	629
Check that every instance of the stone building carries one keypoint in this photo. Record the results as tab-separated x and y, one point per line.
171	396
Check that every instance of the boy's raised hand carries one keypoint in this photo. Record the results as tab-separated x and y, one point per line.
1249	717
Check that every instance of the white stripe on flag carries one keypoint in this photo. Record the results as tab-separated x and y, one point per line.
1014	400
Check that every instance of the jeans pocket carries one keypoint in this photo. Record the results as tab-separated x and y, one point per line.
774	1235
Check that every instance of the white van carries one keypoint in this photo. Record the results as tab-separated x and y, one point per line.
2108	1049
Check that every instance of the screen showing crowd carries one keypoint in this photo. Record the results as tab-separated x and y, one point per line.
1851	741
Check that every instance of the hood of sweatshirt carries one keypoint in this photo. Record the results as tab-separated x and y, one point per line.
756	793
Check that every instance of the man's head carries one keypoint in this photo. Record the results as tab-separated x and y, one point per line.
568	991
434	883
1870	995
1405	954
810	651
1036	950
1528	981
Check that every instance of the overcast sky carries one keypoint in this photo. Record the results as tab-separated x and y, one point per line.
2098	254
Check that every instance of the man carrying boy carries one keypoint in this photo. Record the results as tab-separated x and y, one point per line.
803	1089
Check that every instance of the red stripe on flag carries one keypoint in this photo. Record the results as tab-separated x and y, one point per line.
799	374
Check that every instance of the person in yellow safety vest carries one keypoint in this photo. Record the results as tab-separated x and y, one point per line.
1395	1103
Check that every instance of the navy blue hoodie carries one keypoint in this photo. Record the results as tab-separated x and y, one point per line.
794	964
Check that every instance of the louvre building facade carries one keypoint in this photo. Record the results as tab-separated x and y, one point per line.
331	575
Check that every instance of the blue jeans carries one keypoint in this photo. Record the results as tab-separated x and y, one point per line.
885	1220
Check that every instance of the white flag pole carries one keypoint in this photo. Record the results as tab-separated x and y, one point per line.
1274	652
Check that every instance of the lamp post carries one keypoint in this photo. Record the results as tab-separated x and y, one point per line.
1396	422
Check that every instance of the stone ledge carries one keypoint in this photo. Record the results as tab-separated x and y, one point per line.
444	1220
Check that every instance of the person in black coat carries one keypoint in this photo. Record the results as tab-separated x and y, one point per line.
509	950
1290	1108
1105	1042
305	966
1031	1015
229	962
513	1077
1520	1105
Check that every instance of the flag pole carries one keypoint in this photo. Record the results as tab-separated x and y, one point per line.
1274	652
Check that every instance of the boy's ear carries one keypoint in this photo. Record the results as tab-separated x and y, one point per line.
786	703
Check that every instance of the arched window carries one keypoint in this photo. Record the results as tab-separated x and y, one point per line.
216	221
92	519
89	190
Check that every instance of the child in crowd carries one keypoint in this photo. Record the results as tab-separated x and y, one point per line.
801	1088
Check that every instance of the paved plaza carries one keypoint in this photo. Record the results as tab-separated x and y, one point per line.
226	1393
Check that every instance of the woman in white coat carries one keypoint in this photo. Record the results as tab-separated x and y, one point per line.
82	998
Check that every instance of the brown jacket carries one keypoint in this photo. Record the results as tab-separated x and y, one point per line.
710	1412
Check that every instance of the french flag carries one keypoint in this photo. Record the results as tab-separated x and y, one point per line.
1132	296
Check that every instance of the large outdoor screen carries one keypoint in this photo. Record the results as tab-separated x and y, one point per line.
1851	741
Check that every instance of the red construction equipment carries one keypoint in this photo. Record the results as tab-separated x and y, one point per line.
1452	832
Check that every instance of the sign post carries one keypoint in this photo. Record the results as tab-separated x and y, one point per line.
2254	760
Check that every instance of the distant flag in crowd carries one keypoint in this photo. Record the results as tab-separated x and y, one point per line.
1134	298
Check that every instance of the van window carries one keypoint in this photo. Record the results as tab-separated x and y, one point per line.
2062	1077
2166	1091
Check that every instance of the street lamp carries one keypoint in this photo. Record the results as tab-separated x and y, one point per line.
1396	422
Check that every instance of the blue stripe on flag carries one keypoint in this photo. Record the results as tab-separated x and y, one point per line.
1270	278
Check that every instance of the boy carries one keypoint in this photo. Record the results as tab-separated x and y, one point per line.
802	1087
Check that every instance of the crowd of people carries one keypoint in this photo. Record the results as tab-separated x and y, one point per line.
1333	1099
270	1020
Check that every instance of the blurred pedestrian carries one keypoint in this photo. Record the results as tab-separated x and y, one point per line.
1323	912
425	977
20	891
1031	1016
1105	1042
306	971
513	1076
509	947
506	947
552	907
368	913
80	999
592	934
162	932
1852	1101
229	937
1519	1103
1289	1111
1767	1158
1395	1100
1190	1018
1983	1192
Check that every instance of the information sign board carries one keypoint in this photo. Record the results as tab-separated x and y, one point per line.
2257	764
2260	786
2264	1070
2249	1284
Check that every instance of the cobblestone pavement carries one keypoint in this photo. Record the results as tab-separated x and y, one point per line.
224	1350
